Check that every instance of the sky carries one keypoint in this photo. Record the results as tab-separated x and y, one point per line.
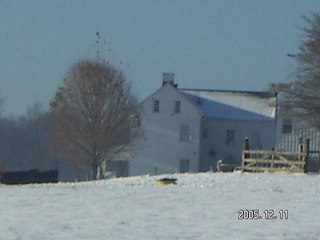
217	44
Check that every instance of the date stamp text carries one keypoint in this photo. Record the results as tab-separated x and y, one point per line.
267	214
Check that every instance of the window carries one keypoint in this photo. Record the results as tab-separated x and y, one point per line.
184	166
256	139
287	126
177	107
156	106
230	136
185	133
205	133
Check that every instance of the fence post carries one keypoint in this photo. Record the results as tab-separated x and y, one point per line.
306	149
245	155
219	165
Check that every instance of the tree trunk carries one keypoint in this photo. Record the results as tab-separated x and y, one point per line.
94	169
102	170
97	168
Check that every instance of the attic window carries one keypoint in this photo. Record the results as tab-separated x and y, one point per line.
156	106
287	126
177	107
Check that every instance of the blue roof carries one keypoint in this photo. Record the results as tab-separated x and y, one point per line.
213	109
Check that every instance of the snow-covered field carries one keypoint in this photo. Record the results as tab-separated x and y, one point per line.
200	206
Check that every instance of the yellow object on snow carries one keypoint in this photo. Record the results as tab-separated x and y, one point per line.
166	181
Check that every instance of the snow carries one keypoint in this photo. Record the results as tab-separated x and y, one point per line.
258	102
200	206
213	109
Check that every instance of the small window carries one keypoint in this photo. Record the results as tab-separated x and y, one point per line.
184	166
185	133
205	133
230	136
287	126
156	106
256	139
177	107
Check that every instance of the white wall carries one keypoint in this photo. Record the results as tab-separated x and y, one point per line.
159	149
294	141
232	153
284	140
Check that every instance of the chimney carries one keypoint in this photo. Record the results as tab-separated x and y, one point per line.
168	78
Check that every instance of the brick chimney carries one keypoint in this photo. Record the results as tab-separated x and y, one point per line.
168	78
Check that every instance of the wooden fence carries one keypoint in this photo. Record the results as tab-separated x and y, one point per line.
275	161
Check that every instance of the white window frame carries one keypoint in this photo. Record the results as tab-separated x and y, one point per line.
156	106
184	166
177	106
205	133
184	134
287	126
230	136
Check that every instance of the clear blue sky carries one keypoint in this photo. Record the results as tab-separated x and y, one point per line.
217	44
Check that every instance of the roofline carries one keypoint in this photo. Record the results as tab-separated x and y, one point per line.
192	103
264	93
265	118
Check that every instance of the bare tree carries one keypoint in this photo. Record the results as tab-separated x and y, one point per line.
301	98
94	114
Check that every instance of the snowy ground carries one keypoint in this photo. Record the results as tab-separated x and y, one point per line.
200	206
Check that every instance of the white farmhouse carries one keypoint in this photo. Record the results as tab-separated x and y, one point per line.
189	130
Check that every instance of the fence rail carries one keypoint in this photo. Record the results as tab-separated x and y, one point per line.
275	161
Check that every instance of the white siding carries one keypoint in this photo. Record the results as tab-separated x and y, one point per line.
159	149
215	146
170	140
293	141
